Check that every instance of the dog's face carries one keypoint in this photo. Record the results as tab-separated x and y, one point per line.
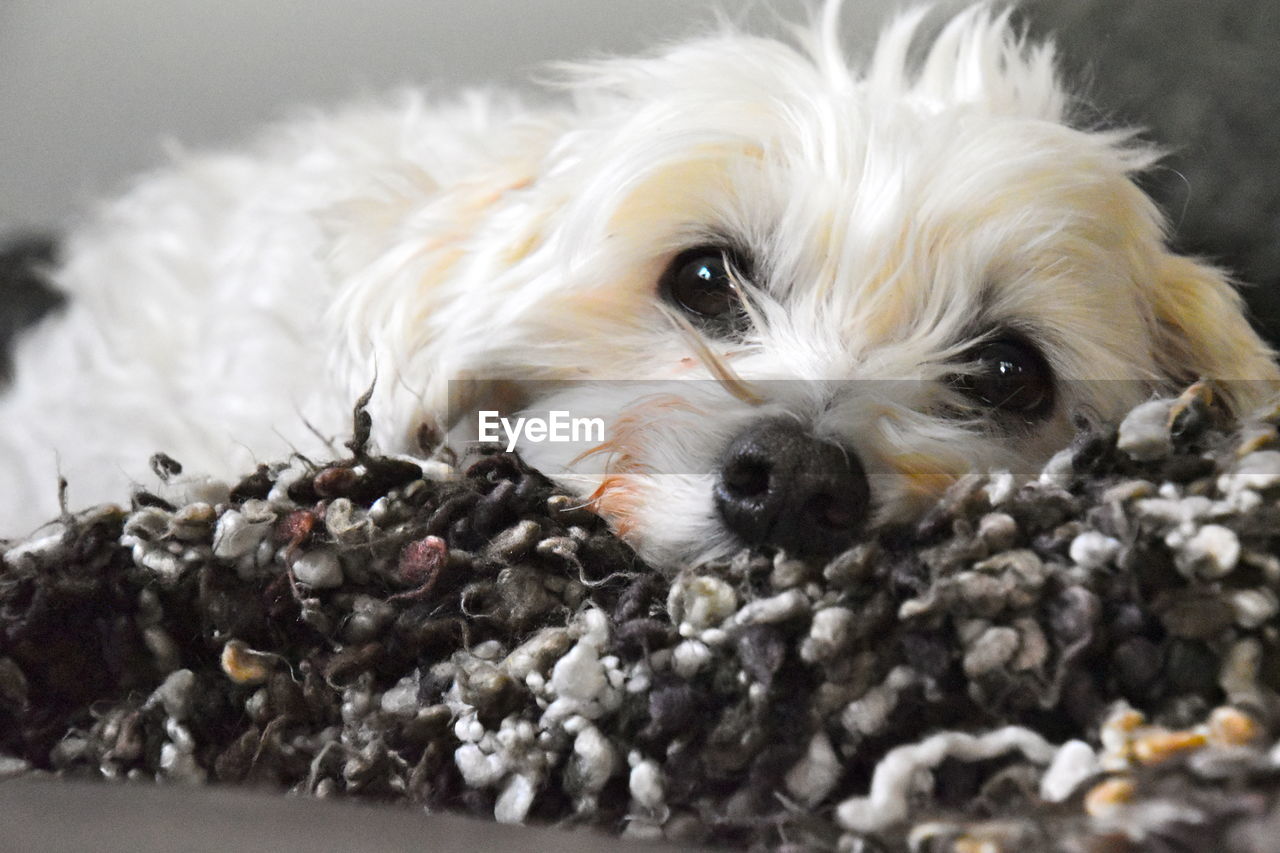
883	279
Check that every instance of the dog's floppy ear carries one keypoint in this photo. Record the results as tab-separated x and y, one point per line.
1201	332
424	265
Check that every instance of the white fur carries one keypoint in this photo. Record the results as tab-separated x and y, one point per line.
231	307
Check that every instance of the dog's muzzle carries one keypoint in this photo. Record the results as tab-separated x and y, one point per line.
778	485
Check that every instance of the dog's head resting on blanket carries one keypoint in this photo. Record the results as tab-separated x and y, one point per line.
887	276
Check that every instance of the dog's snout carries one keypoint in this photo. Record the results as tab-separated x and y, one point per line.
779	485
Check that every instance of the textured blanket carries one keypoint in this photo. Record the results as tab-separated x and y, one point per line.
1087	661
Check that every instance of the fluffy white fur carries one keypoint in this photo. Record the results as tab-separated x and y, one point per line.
232	306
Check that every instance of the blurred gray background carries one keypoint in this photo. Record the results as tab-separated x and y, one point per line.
89	89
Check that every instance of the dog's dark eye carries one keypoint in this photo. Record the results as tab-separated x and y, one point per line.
698	281
1010	375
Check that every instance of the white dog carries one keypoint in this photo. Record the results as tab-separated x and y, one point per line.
740	210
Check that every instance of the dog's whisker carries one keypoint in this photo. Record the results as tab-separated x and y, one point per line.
585	504
749	295
720	369
605	447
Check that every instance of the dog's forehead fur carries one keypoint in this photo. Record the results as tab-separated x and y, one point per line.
918	201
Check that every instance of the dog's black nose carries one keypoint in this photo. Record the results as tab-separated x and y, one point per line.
781	486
